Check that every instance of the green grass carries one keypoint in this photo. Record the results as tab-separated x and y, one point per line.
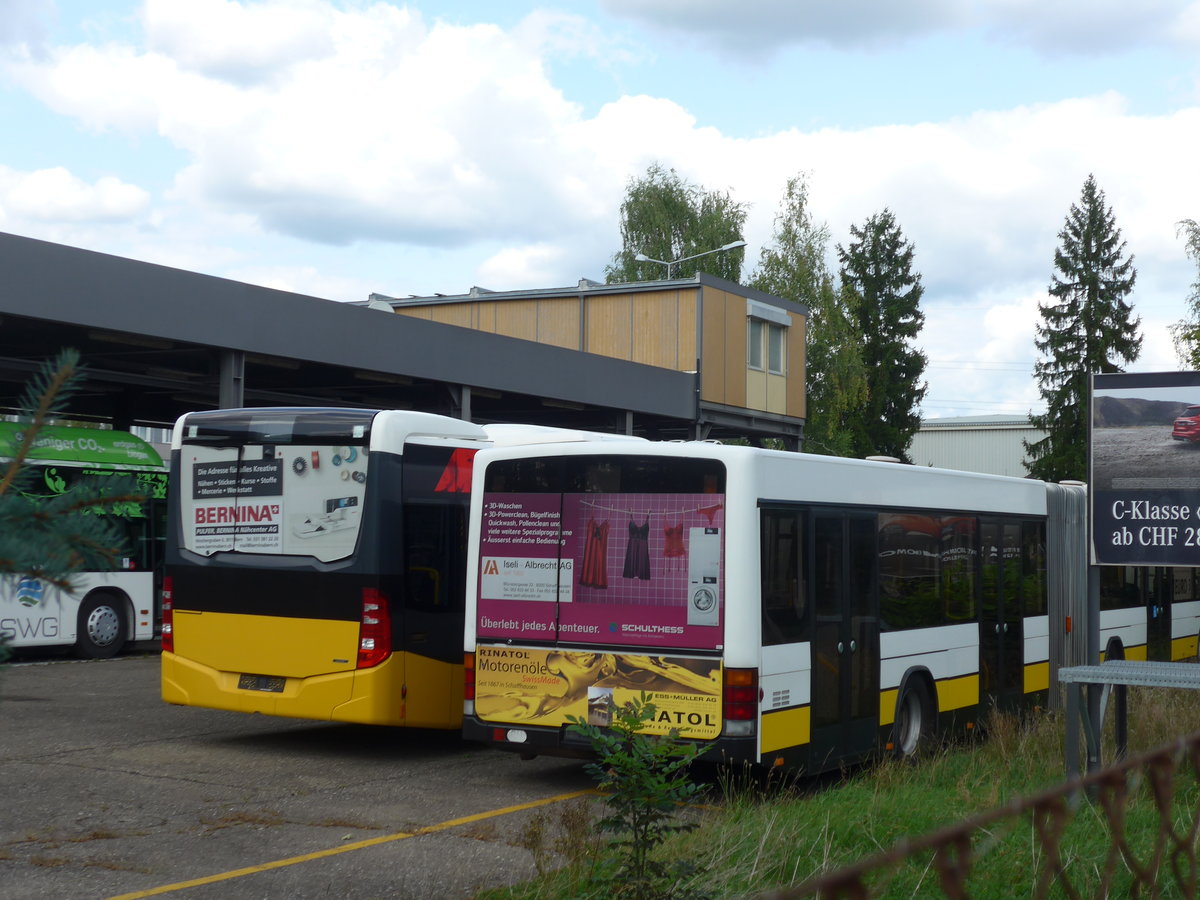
753	839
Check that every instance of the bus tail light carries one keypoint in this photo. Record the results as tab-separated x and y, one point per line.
168	614
374	629
469	676
468	684
740	701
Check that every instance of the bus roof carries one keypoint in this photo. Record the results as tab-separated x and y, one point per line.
777	475
88	446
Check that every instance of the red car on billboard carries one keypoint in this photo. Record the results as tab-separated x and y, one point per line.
1187	425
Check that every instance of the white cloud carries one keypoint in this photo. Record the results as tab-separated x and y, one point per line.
1088	26
237	41
306	121
402	131
760	27
104	87
981	356
56	195
388	128
516	267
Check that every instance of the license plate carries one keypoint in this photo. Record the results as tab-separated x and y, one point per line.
272	683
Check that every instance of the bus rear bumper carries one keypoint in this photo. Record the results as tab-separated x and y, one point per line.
562	742
368	696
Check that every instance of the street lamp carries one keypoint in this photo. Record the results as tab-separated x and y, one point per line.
642	257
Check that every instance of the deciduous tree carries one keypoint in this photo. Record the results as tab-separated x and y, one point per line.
1186	332
793	266
666	218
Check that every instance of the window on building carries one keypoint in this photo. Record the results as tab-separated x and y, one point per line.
754	350
766	336
775	349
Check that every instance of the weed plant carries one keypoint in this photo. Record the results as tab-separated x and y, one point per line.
645	777
755	836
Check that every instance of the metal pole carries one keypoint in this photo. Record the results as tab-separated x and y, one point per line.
1094	691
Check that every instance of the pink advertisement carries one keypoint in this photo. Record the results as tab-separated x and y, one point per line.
625	569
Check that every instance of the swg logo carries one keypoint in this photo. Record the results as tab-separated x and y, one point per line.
30	591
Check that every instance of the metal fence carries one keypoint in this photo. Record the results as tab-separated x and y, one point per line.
1140	820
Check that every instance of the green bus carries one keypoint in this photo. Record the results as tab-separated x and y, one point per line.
106	610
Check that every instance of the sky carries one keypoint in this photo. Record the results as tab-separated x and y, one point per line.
342	148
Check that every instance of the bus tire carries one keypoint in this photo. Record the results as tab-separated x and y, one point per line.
102	626
1114	649
914	723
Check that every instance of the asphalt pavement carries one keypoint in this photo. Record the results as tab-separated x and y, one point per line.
105	792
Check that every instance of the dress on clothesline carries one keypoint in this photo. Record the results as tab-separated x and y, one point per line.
637	552
674	541
595	554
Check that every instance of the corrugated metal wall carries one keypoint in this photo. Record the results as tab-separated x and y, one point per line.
976	445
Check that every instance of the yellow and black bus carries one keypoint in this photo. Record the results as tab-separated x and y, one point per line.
315	564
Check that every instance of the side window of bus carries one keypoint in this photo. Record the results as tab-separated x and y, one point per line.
1033	567
910	571
927	569
960	562
1119	587
783	612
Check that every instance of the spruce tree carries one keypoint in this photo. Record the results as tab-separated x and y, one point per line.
877	270
1086	327
666	218
793	266
55	539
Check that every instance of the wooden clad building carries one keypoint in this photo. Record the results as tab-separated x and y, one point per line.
745	348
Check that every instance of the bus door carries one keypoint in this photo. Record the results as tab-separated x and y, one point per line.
1001	641
845	647
427	614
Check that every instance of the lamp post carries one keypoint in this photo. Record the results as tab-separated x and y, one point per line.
732	245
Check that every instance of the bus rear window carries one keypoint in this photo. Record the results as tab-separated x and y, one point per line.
607	474
327	427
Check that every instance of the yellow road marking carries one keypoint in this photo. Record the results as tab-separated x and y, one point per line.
347	848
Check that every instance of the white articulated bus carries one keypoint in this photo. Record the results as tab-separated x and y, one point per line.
790	610
106	609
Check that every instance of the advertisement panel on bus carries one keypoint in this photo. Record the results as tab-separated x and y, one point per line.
298	499
626	569
540	686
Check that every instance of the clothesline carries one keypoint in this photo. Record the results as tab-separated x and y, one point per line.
706	511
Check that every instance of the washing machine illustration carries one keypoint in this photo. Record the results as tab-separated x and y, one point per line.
704	569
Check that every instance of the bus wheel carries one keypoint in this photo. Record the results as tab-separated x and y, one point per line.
102	627
913	721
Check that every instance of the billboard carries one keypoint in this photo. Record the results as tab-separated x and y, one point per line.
1144	476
